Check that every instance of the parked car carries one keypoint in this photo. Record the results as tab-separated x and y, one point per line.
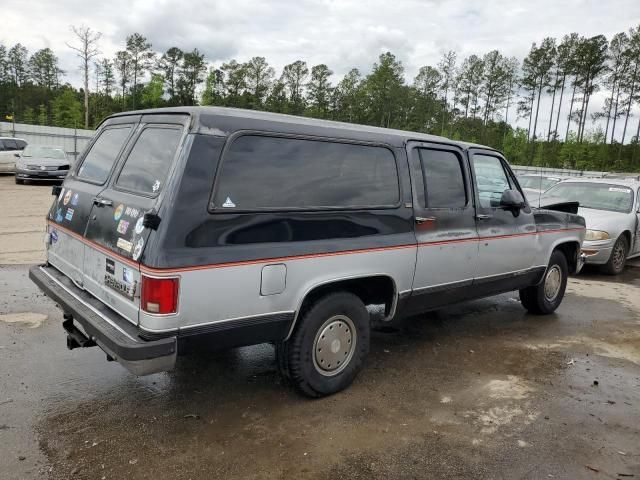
533	185
42	163
241	227
611	209
10	149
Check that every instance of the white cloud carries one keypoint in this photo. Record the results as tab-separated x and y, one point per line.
341	33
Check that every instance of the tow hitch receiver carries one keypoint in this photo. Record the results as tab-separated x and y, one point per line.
75	338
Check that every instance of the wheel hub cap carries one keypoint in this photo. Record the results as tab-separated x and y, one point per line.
334	345
552	283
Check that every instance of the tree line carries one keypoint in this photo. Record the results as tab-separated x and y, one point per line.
476	98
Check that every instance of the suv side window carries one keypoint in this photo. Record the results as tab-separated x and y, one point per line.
10	144
491	179
443	179
263	172
2	145
21	144
148	163
98	162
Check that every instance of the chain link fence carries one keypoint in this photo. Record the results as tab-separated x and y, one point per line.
71	140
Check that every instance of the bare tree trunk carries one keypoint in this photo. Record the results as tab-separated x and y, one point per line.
86	51
606	128
553	102
555	132
535	124
573	96
615	114
444	109
533	97
626	119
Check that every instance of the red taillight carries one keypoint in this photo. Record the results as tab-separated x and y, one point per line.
159	295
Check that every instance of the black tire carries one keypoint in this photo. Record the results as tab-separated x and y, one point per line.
544	298
298	360
19	182
618	258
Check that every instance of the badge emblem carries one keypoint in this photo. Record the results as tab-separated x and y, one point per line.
117	214
228	203
53	236
156	186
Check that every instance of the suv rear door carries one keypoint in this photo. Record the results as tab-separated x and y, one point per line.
115	231
70	211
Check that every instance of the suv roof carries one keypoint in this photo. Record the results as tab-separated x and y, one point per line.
216	120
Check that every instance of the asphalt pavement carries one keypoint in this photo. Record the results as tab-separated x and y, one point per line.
480	390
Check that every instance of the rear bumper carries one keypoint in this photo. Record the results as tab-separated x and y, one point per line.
100	326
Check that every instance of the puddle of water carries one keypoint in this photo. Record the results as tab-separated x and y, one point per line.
30	319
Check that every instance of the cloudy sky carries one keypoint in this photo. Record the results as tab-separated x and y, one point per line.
341	33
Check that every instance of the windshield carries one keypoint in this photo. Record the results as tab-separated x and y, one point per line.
537	182
43	152
599	196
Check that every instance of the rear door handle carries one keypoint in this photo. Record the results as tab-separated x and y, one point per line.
482	216
420	220
102	202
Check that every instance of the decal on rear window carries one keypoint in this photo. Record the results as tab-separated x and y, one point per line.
123	226
69	214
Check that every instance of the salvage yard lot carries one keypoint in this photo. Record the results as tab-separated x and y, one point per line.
481	390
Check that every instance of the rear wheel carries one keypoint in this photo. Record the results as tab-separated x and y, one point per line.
544	298
328	345
618	259
19	181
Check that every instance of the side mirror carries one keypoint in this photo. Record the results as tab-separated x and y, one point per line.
512	200
16	155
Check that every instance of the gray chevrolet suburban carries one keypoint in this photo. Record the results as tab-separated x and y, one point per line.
239	227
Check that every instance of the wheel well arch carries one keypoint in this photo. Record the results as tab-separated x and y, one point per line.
571	251
627	235
372	289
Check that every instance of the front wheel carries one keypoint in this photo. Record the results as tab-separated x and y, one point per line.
328	345
544	298
618	258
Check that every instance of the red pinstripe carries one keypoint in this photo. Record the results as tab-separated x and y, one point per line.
144	268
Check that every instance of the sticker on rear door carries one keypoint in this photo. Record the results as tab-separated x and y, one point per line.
69	214
139	226
127	275
123	226
117	214
67	197
138	250
74	199
125	245
59	216
110	266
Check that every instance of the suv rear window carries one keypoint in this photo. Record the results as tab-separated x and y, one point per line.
98	162
261	172
148	163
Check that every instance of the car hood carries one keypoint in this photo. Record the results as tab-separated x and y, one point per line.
603	219
49	162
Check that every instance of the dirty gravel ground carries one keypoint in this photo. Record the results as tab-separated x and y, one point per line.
480	390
